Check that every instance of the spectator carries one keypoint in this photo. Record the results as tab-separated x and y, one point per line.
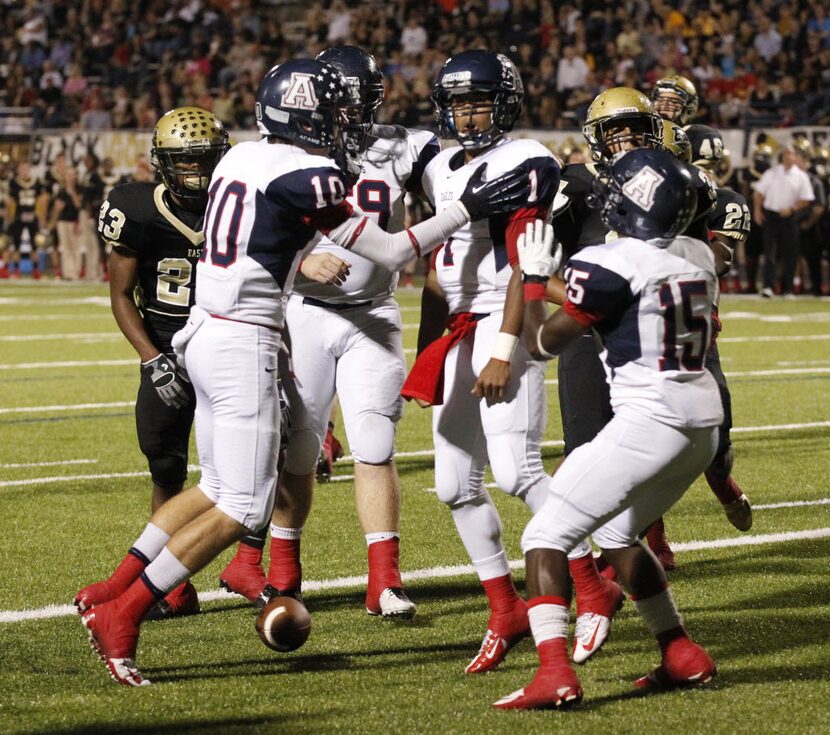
339	23
571	73
413	37
97	116
66	208
780	193
767	41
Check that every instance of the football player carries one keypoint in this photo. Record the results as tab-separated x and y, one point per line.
648	294
268	203
345	337
27	200
154	235
675	98
488	394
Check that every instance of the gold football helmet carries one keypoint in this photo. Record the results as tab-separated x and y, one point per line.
676	141
619	119
763	156
675	98
188	142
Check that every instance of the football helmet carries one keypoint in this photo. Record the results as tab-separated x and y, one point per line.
188	142
707	146
676	141
363	75
620	118
675	98
762	157
478	76
646	193
303	101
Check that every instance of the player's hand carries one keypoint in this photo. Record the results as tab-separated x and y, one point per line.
492	381
325	268
167	380
536	258
505	193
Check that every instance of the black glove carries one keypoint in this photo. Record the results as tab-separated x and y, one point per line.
505	193
168	380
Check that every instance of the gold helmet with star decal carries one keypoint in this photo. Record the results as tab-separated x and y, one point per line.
675	98
188	142
676	141
619	119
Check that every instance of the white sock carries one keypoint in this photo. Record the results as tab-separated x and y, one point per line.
166	572
548	621
151	542
290	534
538	494
583	548
492	567
373	538
659	612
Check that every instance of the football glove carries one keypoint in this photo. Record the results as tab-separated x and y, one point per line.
505	193
168	380
537	257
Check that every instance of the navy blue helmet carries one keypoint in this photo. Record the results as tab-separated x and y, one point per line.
478	75
302	101
646	193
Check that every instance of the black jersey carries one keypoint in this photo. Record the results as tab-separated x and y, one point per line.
138	220
25	193
575	224
706	197
730	214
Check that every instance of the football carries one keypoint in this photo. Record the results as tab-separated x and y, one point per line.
284	624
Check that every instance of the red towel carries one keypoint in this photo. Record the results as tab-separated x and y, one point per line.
425	381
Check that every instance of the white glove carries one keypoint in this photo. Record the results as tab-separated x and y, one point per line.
535	257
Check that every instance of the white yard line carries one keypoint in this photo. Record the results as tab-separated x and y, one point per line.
66	407
66	363
792	504
59	463
53	317
61	336
337	583
776	338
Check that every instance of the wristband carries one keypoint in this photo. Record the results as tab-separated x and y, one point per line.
541	350
534	291
504	346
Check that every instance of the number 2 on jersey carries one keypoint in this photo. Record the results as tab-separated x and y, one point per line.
686	335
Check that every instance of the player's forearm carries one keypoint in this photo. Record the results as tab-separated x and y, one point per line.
511	321
555	291
131	325
393	251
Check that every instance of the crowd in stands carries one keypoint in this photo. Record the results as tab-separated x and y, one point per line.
99	64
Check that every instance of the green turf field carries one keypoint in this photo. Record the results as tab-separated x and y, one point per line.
74	495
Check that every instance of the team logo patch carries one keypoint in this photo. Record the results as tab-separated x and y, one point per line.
300	94
642	187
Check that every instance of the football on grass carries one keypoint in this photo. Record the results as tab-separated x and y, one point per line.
284	624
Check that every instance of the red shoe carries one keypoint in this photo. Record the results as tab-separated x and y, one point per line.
114	639
658	542
551	688
593	621
243	579
184	600
93	594
685	664
332	451
605	569
502	634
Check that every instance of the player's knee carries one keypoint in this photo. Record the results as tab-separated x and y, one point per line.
168	471
303	451
374	439
538	535
456	493
507	476
610	537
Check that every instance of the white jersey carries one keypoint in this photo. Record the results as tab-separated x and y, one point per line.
652	307
267	202
474	265
392	165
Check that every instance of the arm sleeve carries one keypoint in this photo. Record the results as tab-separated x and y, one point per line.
595	292
364	237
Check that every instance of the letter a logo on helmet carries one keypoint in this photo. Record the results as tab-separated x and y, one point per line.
300	94
642	187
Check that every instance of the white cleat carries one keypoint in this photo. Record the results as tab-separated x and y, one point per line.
124	671
394	603
591	632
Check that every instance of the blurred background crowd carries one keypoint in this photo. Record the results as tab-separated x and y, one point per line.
101	64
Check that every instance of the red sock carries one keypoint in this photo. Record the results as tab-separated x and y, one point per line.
667	637
726	489
285	571
248	554
384	565
656	534
127	572
553	653
501	594
139	598
587	580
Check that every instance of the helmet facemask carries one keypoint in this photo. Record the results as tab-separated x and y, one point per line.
186	172
611	136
